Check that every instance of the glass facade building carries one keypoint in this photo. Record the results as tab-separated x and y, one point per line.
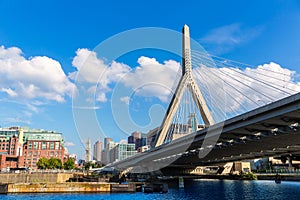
123	151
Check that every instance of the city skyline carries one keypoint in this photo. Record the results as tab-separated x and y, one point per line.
43	45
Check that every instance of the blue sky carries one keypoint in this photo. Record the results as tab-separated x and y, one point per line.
49	33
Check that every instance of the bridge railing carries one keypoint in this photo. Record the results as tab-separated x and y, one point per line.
282	171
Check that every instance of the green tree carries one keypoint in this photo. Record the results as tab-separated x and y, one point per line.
55	163
249	176
43	163
98	165
69	164
87	165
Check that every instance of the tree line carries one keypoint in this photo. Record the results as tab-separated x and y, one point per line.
55	163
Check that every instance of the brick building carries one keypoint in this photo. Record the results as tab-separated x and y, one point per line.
24	147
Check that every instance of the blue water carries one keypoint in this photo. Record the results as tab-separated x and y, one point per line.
194	189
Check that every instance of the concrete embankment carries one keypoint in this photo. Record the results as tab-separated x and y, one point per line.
35	178
283	177
91	187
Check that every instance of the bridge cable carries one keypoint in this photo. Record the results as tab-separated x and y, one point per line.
259	80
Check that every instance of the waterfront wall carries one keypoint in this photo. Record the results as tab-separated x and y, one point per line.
35	178
284	177
54	187
68	187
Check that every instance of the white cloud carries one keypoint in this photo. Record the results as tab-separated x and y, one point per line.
94	71
9	91
87	107
149	79
36	77
126	100
225	38
69	144
15	120
247	88
152	78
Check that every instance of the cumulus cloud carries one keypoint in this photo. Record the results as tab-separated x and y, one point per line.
152	78
94	71
36	77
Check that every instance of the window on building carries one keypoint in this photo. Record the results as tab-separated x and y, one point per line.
56	145
52	145
44	145
30	145
36	145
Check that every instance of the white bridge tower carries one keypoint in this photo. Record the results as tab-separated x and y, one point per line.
187	82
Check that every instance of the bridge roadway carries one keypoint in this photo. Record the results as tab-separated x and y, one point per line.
271	130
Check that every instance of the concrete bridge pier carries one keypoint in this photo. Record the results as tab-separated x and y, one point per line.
181	182
290	162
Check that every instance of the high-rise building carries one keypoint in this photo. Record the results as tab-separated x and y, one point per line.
106	158
130	140
106	141
136	135
97	151
140	142
88	153
138	139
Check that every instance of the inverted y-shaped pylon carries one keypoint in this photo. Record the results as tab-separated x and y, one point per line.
187	81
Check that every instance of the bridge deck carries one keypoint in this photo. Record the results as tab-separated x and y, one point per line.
266	131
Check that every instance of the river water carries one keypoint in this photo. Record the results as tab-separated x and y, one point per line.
194	189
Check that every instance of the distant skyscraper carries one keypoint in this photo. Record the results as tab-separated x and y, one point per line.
106	158
97	151
106	141
130	140
140	142
88	153
138	139
136	135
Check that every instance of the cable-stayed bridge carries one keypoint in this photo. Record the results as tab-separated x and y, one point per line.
220	113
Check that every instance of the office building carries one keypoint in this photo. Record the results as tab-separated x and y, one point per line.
97	151
122	151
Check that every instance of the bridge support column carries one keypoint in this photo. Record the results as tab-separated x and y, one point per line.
181	182
290	162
